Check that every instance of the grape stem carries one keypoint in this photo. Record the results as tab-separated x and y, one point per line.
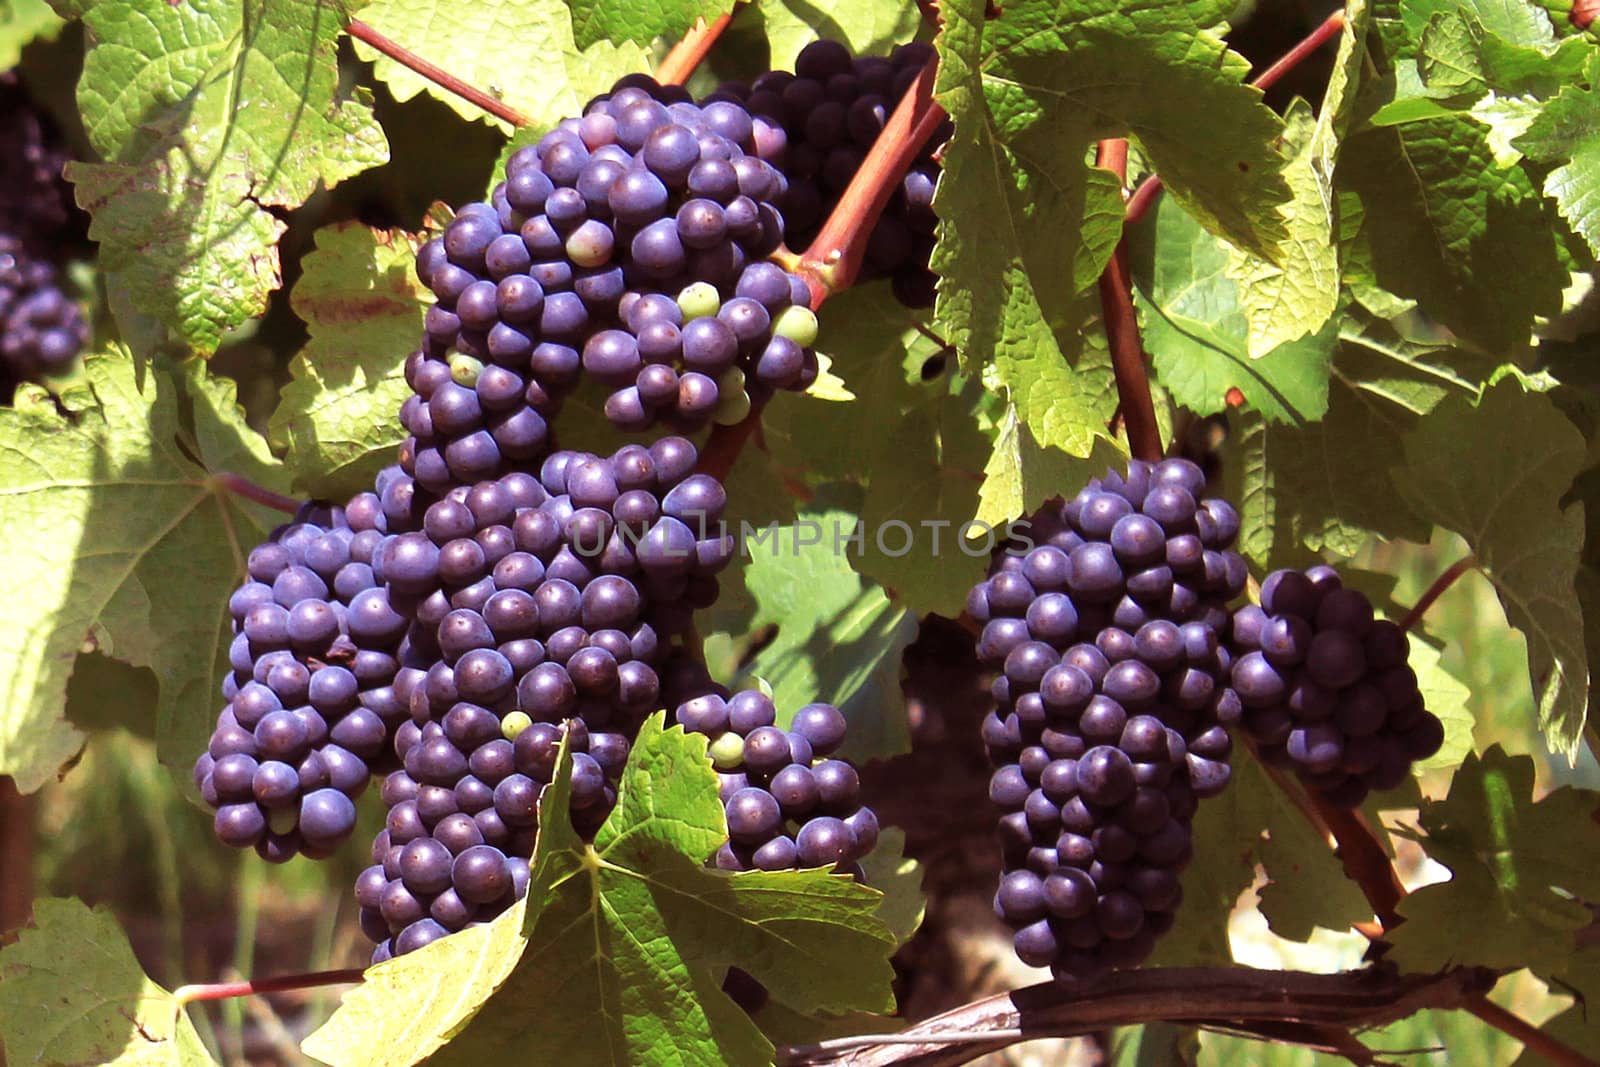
1122	330
1436	590
188	994
834	259
1318	1010
1144	197
687	54
1536	1040
832	262
438	75
16	857
240	486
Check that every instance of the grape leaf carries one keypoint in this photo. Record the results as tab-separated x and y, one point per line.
1330	486
363	306
116	534
21	23
1579	1025
210	115
71	991
1198	335
1567	132
1473	243
1022	474
1286	300
868	28
1517	866
524	54
840	636
1446	697
899	878
1496	474
1253	823
622	20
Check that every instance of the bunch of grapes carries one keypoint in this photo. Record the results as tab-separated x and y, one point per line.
626	245
1111	708
789	805
311	700
1326	688
42	330
820	122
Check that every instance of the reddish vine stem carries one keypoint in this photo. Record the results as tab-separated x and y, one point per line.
240	486
1536	1040
832	262
1436	590
1122	330
436	74
188	994
1144	197
688	53
16	857
1365	861
834	258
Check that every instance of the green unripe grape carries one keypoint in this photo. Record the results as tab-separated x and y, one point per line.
727	752
590	245
699	300
464	370
798	324
732	407
513	724
282	820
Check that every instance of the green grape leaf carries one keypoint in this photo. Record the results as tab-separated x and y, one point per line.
71	991
1330	486
210	115
899	878
621	20
1496	474
21	23
1567	133
1446	696
1022	474
523	54
839	636
1253	823
118	537
868	28
1473	243
1294	297
1198	335
1579	1025
360	300
1517	866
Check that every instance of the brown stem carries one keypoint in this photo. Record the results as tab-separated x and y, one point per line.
722	448
1122	330
226	990
687	54
16	858
438	75
1436	590
241	486
1144	197
1536	1040
834	258
1315	1009
1365	861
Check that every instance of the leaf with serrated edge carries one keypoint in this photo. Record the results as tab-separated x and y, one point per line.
867	27
626	953
1022	474
209	115
521	52
113	531
360	300
627	20
1567	132
1287	300
21	23
1496	474
72	992
1520	871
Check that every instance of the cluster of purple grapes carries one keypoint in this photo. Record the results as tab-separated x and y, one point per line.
311	702
626	245
789	805
824	118
42	330
1326	688
1109	709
